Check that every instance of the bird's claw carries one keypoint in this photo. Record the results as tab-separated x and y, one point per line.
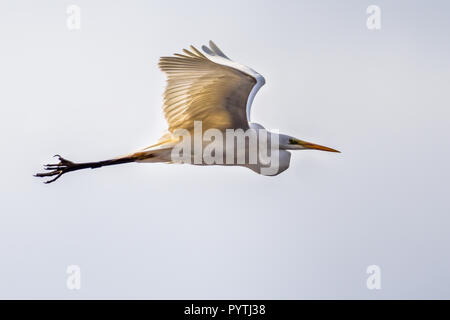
57	169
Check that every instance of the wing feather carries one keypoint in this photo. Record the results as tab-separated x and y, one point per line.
199	89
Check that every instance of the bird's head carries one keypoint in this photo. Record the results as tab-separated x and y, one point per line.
291	143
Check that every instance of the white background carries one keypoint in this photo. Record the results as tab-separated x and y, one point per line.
177	231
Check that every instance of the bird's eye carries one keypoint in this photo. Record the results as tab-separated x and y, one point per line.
293	141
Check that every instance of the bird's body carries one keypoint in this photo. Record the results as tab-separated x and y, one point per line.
163	152
207	104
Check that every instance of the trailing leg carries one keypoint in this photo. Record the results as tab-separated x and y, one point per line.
65	166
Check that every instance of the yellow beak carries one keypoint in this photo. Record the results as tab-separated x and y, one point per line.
309	145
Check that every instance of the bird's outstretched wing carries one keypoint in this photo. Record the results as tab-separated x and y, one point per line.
207	87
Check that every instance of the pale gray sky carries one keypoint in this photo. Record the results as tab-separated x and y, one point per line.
178	231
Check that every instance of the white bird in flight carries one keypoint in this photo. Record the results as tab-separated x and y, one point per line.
210	88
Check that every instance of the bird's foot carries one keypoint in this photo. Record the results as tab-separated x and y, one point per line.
58	169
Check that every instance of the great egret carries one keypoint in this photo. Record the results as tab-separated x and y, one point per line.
208	88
